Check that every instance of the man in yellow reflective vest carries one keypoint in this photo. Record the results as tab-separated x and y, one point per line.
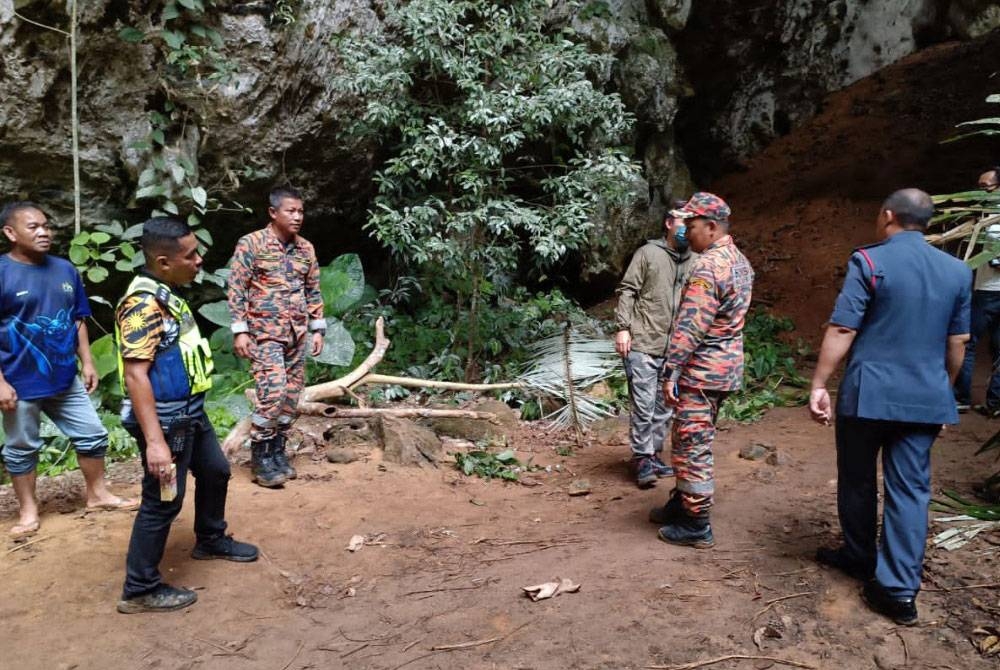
165	367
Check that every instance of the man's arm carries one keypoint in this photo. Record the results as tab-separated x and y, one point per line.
237	296
837	342
699	305
8	396
628	292
955	356
314	305
87	370
140	390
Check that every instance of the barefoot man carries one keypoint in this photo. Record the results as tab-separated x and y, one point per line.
42	334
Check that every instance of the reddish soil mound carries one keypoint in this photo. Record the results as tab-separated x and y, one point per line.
813	195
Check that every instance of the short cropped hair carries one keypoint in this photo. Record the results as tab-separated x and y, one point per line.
913	208
11	209
160	235
279	193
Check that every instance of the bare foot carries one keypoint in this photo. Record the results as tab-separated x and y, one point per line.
24	529
112	503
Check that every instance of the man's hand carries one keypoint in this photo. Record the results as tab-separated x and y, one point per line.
670	392
317	344
158	461
8	397
89	375
623	342
242	344
819	406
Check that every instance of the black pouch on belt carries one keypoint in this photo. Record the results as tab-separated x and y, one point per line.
180	434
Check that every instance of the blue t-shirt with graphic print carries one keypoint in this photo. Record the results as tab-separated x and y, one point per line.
39	307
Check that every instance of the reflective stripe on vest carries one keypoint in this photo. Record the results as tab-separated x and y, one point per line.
195	352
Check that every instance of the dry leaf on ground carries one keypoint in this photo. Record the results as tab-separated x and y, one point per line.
551	589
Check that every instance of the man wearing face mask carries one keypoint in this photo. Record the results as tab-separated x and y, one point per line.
704	364
985	318
648	296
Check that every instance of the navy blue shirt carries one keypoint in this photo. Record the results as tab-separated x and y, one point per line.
896	370
39	308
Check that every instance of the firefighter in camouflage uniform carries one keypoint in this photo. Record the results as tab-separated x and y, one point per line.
277	311
705	363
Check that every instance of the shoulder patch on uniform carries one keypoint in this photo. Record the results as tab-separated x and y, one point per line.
700	283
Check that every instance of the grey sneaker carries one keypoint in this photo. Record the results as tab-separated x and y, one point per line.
661	468
164	598
644	472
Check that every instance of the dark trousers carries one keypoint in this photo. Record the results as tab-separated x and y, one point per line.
205	460
985	321
906	470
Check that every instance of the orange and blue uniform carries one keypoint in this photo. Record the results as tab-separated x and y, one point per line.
274	296
705	360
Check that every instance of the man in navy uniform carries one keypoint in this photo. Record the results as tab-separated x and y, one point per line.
903	318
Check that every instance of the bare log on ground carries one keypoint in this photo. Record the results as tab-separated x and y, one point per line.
332	411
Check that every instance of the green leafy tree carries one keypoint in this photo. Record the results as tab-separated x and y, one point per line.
500	150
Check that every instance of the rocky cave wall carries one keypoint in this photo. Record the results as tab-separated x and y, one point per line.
709	81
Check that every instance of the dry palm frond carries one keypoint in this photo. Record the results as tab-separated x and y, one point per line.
564	366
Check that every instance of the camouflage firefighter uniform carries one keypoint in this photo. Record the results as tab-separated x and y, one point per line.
705	357
274	296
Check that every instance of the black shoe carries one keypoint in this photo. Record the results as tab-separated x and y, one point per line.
901	610
265	471
661	468
962	407
164	598
670	512
225	547
281	458
989	411
644	472
689	532
838	558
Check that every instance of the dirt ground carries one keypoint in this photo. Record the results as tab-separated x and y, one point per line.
450	554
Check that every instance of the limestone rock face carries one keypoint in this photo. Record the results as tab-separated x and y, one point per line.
759	71
709	82
973	18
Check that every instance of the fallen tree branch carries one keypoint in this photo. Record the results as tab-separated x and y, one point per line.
336	387
732	657
771	603
361	375
465	645
322	409
988	585
434	384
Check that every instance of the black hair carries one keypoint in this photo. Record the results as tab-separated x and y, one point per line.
279	193
912	207
161	234
10	209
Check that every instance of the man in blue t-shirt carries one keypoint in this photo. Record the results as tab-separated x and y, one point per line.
42	333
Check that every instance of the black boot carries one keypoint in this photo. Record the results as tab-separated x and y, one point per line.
670	512
281	457
689	531
265	472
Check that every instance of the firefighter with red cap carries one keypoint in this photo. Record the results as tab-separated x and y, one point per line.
705	363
